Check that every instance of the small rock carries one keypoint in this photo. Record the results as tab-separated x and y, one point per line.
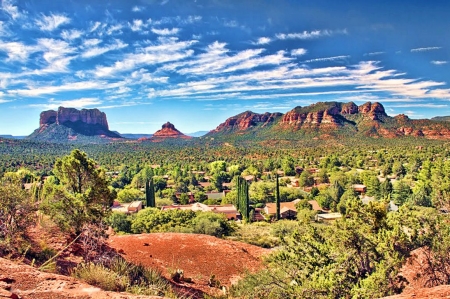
8	294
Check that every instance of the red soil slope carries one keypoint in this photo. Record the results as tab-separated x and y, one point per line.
199	256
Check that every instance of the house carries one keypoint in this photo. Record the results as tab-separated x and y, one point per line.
127	208
359	188
315	206
287	209
135	206
229	210
249	178
328	216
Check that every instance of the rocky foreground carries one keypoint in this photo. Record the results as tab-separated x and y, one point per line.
22	281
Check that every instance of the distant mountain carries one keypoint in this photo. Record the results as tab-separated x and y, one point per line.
72	125
167	130
136	136
325	120
441	118
197	134
12	137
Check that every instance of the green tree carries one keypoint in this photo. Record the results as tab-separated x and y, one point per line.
288	165
17	212
78	194
150	200
129	195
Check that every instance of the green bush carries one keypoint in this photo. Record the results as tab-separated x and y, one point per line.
120	222
100	276
118	275
212	224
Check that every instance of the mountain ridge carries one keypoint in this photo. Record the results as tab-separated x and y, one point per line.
330	119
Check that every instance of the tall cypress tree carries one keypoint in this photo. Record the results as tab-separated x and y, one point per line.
150	193
243	200
278	216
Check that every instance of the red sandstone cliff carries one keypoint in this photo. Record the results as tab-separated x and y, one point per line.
64	115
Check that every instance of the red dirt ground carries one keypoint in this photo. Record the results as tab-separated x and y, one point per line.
199	256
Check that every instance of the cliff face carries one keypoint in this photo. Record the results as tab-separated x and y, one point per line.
331	114
72	125
72	115
334	119
247	120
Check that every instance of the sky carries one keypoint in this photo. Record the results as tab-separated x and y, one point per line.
197	62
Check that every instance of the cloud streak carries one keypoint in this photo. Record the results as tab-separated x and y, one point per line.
51	22
425	49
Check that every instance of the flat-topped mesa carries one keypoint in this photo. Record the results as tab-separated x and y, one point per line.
72	115
168	130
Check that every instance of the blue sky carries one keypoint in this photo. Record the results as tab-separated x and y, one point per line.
197	62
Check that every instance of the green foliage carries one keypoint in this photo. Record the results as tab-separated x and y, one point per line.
257	233
118	275
78	194
355	257
120	222
212	224
243	199
129	195
209	223
17	212
150	193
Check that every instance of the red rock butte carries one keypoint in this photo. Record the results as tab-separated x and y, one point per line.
168	130
64	115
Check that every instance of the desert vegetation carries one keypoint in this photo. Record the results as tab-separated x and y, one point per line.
356	256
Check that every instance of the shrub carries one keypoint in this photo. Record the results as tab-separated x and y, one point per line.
119	275
100	276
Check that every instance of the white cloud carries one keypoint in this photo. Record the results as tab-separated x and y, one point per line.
51	22
166	50
71	34
96	51
54	49
309	34
263	41
17	51
94	26
298	52
9	7
166	31
76	103
136	25
439	62
374	53
91	42
114	29
342	57
425	49
137	8
76	86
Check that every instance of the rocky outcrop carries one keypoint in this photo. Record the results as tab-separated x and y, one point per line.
372	111
332	113
247	120
72	115
22	281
